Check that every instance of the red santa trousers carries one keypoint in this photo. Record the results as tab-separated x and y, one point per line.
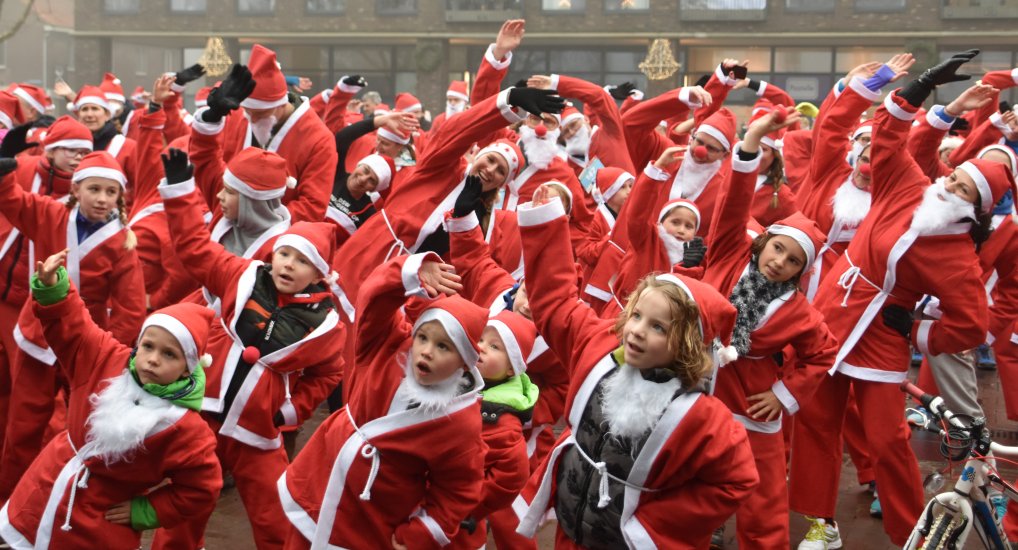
31	408
762	519
255	473
855	442
8	350
816	452
503	530
1006	353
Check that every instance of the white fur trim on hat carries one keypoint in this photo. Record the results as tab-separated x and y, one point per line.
100	172
1011	158
456	95
716	134
179	331
615	187
864	129
670	205
512	346
563	187
411	108
70	144
381	169
20	92
113	96
985	193
252	103
244	189
507	153
393	136
454	330
571	117
800	237
304	246
93	100
772	143
6	120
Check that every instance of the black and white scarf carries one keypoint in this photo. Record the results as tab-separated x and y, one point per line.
751	296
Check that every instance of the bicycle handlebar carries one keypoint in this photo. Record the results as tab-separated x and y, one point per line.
933	403
918	393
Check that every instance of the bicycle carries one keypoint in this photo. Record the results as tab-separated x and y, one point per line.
950	517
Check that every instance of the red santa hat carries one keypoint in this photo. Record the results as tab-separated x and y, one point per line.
992	179
315	240
258	174
509	151
189	324
518	335
67	133
609	180
383	167
805	232
720	126
764	108
111	88
100	164
395	137
676	203
34	96
138	97
10	110
1011	159
91	95
570	114
458	90
381	109
463	322
717	315
270	84
406	103
864	127
201	98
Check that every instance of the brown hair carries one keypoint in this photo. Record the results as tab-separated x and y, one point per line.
130	239
759	242
776	175
690	360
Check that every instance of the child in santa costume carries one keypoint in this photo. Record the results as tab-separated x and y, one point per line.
401	464
278	347
132	425
65	144
760	276
916	240
94	110
610	191
773	198
101	262
507	404
647	459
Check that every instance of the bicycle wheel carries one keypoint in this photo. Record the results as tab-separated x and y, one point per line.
944	532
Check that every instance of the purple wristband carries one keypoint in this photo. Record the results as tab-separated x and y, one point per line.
879	79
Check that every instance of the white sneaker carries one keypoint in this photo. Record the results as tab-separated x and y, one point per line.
821	535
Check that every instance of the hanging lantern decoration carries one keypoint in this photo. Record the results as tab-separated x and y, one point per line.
564	4
659	64
215	59
627	4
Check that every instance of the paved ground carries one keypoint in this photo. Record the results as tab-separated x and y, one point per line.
229	528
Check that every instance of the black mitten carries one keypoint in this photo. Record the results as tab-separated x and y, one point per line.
228	96
190	74
943	73
693	252
16	141
622	91
469	197
536	101
177	167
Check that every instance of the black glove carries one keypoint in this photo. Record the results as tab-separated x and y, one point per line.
899	319
943	73
190	74
229	94
693	252
536	101
468	198
1003	107
44	121
355	80
622	91
278	420
469	524
960	125
703	80
16	141
177	167
7	165
521	83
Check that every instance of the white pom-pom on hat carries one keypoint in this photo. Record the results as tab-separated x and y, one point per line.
291	182
205	361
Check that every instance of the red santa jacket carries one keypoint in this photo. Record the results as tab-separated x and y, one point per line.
308	147
292	380
330	105
108	275
416	208
696	464
180	448
608	143
125	150
376	468
998	257
764	209
789	319
925	139
34	174
889	263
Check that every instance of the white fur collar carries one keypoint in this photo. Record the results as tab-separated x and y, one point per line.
633	405
761	179
692	178
851	204
123	415
940	210
672	245
436	396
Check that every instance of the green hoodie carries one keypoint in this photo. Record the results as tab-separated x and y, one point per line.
517	394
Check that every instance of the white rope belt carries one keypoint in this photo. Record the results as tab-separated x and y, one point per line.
80	480
397	246
603	498
849	278
367	451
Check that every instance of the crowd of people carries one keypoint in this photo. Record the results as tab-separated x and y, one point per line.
556	301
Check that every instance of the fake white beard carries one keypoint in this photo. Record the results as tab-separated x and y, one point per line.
672	245
539	151
122	416
451	109
633	405
262	129
939	209
851	204
579	143
435	396
692	178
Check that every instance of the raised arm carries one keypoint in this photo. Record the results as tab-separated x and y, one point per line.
831	139
495	62
338	99
609	143
483	279
30	213
639	123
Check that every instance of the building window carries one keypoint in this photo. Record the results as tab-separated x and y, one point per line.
986	61
848	58
705	60
397	7
564	6
724	4
623	6
256	6
802	60
188	6
879	5
121	6
325	6
723	10
810	5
